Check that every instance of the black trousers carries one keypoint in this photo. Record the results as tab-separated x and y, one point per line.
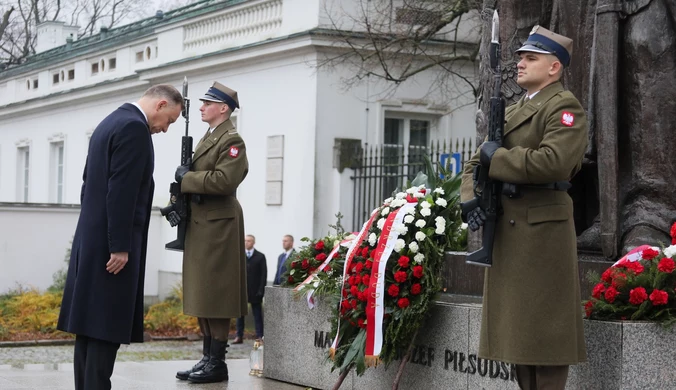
541	377
217	328
257	310
93	363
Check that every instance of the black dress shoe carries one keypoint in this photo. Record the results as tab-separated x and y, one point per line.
215	370
238	340
206	346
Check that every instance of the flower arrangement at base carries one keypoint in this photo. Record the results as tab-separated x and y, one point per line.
640	287
392	273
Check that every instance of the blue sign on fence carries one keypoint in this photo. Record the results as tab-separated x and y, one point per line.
454	164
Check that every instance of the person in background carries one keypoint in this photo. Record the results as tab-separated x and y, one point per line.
256	278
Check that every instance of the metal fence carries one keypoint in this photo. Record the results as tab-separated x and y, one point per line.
381	169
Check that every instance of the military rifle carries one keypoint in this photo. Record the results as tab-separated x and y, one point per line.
178	211
487	192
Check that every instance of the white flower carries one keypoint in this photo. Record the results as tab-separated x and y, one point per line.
388	200
425	204
440	229
385	211
316	283
412	190
425	212
399	245
411	211
670	251
441	202
419	195
420	223
397	203
420	236
401	229
463	226
440	221
419	258
439	190
413	246
408	218
372	239
400	195
380	223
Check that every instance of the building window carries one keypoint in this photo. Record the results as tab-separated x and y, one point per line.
139	56
55	78
95	68
405	143
23	173
56	172
112	64
71	74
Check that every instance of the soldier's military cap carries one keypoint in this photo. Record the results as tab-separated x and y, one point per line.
544	41
222	94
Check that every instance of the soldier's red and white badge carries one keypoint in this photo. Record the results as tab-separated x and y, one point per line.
234	152
567	118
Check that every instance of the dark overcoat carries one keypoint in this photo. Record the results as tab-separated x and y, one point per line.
257	275
214	260
532	311
116	198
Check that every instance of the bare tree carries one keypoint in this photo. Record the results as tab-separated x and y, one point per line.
396	40
18	29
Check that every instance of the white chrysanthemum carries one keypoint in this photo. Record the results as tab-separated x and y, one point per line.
385	211
439	190
440	230
401	229
388	200
398	203
412	190
419	195
670	251
380	223
441	202
440	221
419	258
463	226
425	204
420	236
413	246
420	223
400	195
372	239
425	212
408	218
411	211
399	245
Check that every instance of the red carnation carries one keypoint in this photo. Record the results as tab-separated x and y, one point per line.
673	234
393	290
400	276
361	323
635	266
361	295
305	264
368	264
598	290
344	293
588	308
637	296
607	275
365	279
319	246
416	289
666	265
649	253
611	293
365	252
353	303
345	304
359	267
403	303
418	271
290	279
403	261
354	290
659	297
321	257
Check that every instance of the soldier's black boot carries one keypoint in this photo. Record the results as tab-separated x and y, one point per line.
215	370
206	346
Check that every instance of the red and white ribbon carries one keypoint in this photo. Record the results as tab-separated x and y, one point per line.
633	255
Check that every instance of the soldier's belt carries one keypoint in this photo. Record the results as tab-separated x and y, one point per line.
514	190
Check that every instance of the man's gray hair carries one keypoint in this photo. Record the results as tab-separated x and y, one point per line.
165	91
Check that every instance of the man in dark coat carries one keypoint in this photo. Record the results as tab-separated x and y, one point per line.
287	244
256	278
103	298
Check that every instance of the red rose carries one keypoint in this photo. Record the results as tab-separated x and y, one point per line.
345	304
290	280
319	246
354	290
598	290
368	264
305	264
403	303
637	296
650	253
365	252
607	275
353	303
416	289
344	293
666	265
403	261
418	271
635	266
359	267
611	293
673	234
361	323
321	257
400	276
354	280
393	290
588	308
365	279
659	297
294	264
327	268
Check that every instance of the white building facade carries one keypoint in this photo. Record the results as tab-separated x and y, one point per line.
291	115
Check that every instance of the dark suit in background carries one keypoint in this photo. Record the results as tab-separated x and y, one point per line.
103	309
281	268
257	275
